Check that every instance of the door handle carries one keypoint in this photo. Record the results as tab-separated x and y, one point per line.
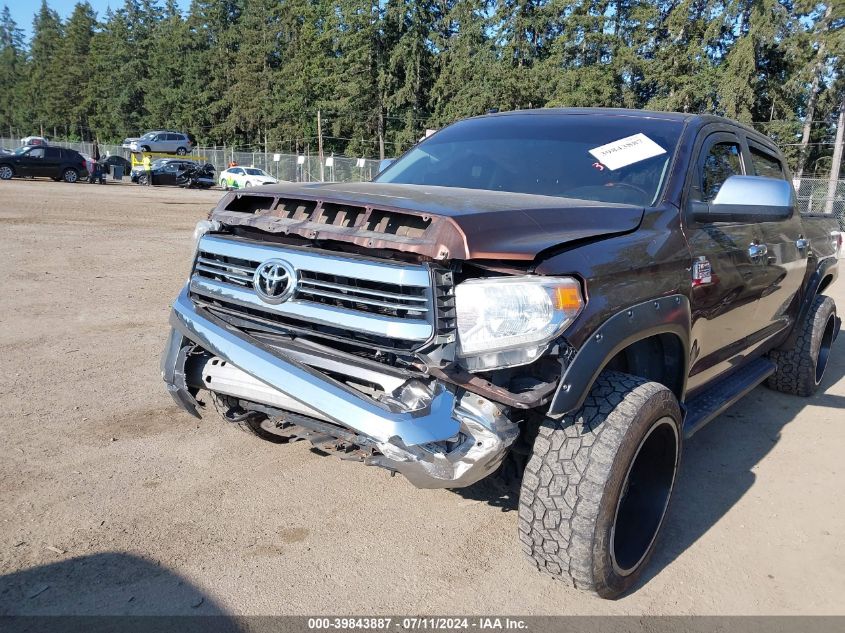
756	251
802	243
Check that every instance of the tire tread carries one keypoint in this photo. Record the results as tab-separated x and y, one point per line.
565	478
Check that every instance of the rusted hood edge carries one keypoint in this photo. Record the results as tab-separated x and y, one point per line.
486	231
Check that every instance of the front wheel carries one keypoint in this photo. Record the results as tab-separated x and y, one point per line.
224	185
70	175
597	487
6	172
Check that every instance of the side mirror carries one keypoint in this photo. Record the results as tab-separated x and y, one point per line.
384	163
748	199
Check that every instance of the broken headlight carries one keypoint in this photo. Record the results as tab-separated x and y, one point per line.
509	321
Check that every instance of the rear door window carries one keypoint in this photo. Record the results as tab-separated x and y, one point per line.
765	164
52	152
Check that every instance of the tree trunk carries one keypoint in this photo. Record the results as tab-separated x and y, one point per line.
320	146
836	166
381	134
818	69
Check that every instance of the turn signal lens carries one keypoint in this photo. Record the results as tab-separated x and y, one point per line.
567	298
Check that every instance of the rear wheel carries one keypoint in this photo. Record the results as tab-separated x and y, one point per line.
801	367
70	175
597	487
181	151
6	172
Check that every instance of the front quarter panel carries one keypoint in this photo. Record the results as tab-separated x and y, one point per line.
637	285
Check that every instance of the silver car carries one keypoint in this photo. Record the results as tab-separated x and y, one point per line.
163	141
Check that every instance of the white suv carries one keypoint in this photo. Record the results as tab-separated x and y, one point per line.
162	141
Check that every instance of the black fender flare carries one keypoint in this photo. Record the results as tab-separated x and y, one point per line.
665	315
811	289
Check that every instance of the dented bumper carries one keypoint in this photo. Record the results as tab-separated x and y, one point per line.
456	439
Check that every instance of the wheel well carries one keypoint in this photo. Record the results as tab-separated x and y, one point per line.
824	284
659	358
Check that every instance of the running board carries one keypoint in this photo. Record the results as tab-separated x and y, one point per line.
724	393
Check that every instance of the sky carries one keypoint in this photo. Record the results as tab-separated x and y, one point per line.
24	10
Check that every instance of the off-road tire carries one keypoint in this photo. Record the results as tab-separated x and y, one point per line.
70	175
800	367
572	488
251	425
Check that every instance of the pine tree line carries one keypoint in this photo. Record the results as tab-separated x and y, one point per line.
255	72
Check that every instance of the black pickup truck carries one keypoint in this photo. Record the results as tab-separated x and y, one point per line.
564	294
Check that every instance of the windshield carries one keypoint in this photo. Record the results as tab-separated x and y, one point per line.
602	157
148	136
256	172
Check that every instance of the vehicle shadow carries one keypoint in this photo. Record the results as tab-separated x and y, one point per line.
716	469
84	589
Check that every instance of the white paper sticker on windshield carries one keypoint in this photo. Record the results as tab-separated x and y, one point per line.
627	151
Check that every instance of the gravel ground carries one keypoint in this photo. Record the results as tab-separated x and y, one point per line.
113	501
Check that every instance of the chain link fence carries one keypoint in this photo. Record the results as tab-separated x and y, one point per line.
290	167
816	196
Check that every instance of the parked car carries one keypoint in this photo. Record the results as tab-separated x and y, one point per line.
57	163
34	140
163	141
558	295
164	171
242	177
199	176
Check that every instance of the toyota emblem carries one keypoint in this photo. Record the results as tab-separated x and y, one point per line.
274	281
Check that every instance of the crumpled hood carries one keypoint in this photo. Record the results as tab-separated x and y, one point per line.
463	223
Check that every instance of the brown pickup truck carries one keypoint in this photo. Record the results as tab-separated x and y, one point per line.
563	294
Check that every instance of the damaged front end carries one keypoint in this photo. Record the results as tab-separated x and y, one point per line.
312	337
437	437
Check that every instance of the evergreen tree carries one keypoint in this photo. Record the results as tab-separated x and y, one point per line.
72	59
408	75
44	72
249	96
167	102
467	82
526	30
359	104
13	102
213	41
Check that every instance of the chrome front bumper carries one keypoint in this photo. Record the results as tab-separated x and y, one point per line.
410	442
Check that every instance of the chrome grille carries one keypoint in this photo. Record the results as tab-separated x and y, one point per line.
386	304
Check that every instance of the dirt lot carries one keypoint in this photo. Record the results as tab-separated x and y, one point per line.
114	501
